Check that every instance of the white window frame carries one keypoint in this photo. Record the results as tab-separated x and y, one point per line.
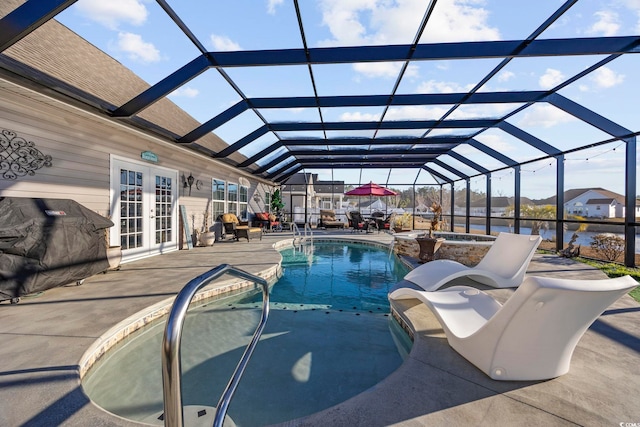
232	205
214	200
243	205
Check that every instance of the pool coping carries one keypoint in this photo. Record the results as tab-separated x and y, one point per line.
401	312
44	338
157	311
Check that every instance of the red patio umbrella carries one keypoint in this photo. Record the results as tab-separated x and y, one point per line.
371	189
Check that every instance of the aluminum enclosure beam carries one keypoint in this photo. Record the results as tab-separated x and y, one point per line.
426	52
28	17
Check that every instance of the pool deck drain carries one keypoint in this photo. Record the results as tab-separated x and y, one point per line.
45	337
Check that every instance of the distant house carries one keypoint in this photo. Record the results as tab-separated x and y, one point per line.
592	203
298	192
329	194
586	202
499	205
319	194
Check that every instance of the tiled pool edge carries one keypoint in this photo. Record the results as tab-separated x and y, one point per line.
138	320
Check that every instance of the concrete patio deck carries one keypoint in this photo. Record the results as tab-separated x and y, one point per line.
45	337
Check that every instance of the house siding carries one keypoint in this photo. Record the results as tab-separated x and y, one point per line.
81	144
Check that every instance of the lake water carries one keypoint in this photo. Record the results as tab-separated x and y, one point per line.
584	237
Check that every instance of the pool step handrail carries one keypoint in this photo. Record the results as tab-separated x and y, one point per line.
171	363
308	232
299	236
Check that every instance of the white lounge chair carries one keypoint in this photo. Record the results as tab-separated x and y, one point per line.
533	335
503	266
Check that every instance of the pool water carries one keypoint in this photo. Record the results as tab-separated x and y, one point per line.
329	337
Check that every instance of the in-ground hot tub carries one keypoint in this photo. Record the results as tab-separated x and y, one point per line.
466	248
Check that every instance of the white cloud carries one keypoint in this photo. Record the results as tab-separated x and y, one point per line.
459	21
111	13
478	111
415	112
433	86
496	141
185	92
544	115
607	24
223	43
357	22
505	76
136	48
634	5
550	78
272	5
382	22
359	117
605	77
296	111
384	69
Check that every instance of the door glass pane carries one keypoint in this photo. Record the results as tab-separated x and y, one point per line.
130	211
163	191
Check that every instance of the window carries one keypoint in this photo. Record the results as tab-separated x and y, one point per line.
217	198
243	203
232	198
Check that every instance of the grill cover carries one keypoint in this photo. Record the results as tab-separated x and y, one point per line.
45	243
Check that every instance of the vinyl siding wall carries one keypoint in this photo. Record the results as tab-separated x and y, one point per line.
80	145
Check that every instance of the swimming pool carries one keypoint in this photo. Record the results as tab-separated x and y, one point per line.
328	338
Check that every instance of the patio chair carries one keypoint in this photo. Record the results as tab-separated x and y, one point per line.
503	266
328	219
233	226
382	223
357	223
268	222
262	219
533	335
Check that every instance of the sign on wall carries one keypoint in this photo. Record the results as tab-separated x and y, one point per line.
149	156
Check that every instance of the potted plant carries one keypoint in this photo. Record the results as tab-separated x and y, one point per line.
429	245
276	202
206	237
402	222
436	209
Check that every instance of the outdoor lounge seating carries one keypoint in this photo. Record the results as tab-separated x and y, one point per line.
382	223
236	228
328	219
533	335
268	222
503	266
357	223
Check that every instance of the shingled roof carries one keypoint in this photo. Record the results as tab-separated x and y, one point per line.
56	55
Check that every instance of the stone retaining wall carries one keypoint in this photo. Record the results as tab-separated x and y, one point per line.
468	253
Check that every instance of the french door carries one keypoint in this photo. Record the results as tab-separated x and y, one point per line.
144	208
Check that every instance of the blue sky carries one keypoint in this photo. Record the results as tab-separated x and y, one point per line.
139	35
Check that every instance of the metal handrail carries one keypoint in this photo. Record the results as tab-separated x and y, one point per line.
308	232
171	364
296	231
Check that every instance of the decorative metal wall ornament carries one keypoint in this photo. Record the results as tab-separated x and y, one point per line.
19	157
